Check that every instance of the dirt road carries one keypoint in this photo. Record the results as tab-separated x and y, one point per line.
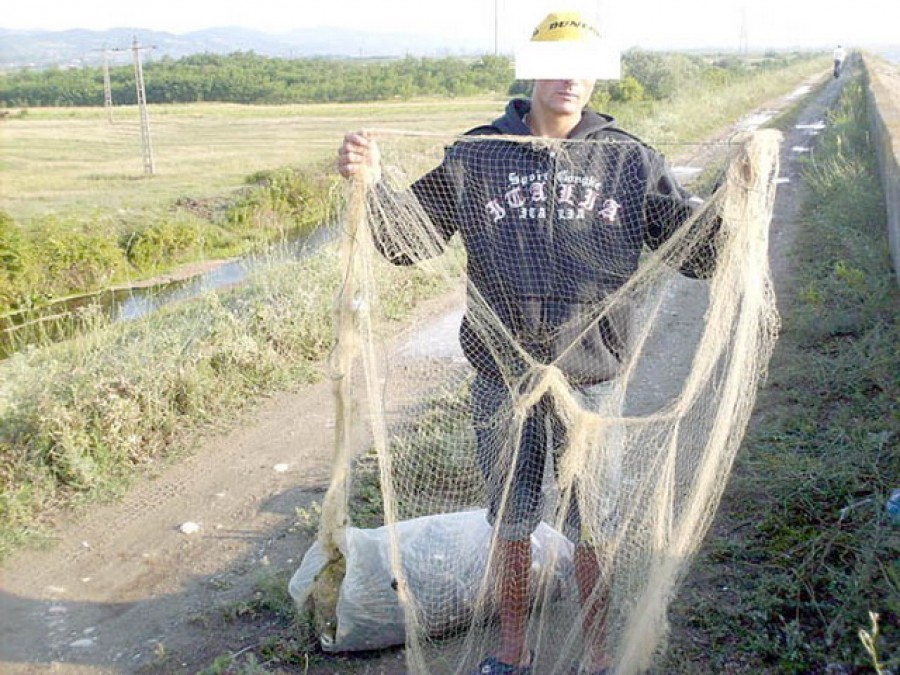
124	590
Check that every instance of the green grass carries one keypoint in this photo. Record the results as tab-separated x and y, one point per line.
434	450
79	215
72	160
802	548
79	419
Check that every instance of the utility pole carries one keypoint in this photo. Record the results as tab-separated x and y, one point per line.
147	148
107	87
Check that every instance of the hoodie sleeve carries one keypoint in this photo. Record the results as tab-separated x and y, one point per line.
415	224
667	207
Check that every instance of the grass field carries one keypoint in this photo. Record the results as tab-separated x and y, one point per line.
73	159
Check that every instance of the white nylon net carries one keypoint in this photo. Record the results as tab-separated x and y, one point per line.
552	477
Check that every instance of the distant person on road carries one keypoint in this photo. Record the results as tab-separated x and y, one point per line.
839	55
468	194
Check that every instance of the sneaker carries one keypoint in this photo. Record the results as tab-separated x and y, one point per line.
492	666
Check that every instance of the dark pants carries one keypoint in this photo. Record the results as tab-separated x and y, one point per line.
503	448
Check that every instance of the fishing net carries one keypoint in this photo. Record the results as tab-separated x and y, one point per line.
571	444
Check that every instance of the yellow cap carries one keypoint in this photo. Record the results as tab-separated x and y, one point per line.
567	45
565	27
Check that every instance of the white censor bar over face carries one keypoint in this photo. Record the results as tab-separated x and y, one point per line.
568	46
578	62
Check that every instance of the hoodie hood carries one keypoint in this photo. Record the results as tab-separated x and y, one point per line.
512	122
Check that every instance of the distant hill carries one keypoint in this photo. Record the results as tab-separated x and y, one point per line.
73	48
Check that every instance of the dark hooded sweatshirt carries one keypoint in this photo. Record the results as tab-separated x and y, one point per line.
550	230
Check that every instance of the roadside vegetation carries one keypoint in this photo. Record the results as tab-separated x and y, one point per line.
79	419
61	255
803	549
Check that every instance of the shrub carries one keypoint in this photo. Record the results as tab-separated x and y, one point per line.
75	256
282	200
10	244
662	75
11	262
162	243
627	90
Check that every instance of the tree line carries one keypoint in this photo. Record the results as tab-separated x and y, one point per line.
249	78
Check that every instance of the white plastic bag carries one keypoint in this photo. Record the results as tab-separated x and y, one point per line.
444	558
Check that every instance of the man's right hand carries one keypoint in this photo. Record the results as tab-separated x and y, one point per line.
359	156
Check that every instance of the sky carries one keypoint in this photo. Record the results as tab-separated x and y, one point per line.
650	24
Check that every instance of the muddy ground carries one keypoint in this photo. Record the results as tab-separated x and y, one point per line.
124	590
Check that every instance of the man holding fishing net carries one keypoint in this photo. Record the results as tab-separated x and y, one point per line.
549	241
